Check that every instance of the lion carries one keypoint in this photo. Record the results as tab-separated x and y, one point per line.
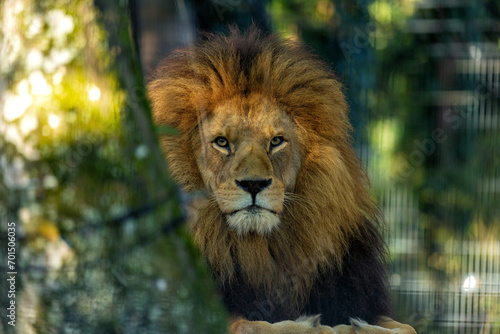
287	226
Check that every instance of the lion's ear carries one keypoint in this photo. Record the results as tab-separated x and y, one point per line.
181	161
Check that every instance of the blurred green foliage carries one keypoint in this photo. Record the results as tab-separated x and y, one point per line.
423	86
99	249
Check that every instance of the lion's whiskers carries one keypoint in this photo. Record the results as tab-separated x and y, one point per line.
294	197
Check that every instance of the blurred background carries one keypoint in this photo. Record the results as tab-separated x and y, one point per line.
100	244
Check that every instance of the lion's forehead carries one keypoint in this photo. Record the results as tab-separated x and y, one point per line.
259	120
259	125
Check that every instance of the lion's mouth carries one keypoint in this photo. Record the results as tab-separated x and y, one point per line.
252	209
253	218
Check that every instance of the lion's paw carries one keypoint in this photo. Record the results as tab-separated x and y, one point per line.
303	325
361	327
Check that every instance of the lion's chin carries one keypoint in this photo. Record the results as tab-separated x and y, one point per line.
257	221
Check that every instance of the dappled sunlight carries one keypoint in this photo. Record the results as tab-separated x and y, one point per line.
52	81
81	176
44	113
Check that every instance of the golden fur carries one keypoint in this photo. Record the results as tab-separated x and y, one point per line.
326	202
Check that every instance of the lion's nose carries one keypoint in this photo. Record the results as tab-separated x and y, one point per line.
253	186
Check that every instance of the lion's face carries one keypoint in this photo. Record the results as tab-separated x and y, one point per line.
249	157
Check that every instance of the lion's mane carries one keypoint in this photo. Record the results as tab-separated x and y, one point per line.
330	208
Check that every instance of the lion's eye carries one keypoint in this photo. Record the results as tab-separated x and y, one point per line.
222	142
277	141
